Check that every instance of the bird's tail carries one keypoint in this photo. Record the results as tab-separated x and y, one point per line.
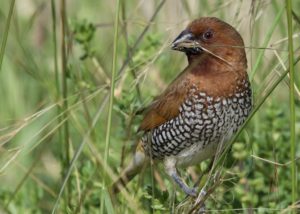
138	162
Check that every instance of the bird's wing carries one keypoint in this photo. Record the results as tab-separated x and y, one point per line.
166	106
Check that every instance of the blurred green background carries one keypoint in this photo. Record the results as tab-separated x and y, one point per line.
36	120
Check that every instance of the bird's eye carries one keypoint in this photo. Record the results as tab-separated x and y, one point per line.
208	35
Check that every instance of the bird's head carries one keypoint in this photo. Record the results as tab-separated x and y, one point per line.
210	36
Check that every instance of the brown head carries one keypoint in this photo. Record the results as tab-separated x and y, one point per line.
211	37
217	67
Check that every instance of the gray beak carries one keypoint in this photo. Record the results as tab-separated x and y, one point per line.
184	39
185	42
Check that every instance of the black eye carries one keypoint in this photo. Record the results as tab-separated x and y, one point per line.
208	35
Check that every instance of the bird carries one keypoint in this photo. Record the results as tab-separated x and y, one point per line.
201	109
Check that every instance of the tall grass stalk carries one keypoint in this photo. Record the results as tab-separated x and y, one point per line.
57	83
111	102
53	13
66	149
6	30
292	101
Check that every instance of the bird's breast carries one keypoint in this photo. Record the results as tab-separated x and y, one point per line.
202	123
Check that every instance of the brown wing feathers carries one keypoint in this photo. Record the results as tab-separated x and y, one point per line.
166	106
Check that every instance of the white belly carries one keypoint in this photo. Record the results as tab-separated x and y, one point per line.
195	154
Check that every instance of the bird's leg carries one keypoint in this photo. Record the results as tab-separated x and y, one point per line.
170	167
189	191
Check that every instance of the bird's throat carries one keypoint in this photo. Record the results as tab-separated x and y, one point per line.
193	58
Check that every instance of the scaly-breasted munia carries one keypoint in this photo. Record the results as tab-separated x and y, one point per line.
202	108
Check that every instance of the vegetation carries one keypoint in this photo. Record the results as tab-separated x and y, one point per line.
73	78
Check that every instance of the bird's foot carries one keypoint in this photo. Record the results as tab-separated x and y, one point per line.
170	164
189	191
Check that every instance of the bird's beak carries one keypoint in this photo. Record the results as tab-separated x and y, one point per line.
185	42
182	40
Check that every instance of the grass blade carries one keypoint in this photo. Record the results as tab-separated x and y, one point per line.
292	101
111	102
66	149
6	30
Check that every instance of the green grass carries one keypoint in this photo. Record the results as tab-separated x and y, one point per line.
68	118
292	102
105	196
6	30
